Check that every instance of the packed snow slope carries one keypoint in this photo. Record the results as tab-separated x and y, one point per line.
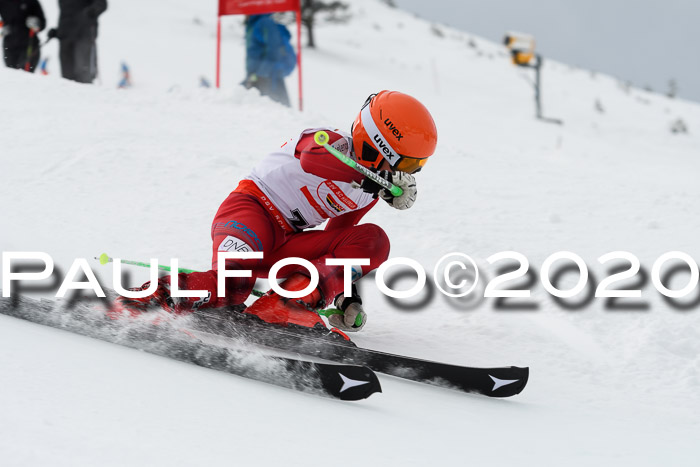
139	173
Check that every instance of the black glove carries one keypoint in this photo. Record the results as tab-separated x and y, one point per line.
342	302
370	186
403	180
53	33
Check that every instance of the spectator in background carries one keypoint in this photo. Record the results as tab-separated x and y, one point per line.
77	31
269	57
21	21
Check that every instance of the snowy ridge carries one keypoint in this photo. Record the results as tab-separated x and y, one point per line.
140	174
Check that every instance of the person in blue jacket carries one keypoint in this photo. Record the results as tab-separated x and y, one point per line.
269	57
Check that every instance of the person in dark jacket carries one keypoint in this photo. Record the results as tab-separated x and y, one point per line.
77	31
269	57
22	20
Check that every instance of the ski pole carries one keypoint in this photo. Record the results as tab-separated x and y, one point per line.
321	138
30	52
104	258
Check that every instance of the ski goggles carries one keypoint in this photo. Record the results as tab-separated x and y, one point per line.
404	164
410	165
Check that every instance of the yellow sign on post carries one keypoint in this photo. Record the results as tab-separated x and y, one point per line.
522	51
522	47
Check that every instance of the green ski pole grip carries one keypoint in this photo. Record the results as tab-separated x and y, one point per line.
321	138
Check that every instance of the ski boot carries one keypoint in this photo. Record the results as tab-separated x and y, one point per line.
276	309
133	307
162	298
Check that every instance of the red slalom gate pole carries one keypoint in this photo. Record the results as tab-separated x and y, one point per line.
301	96
218	52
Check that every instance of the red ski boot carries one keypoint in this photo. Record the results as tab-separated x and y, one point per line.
204	281
133	307
275	309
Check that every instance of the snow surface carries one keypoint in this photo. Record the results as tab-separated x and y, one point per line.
140	174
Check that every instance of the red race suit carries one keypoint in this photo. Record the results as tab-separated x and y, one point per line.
274	209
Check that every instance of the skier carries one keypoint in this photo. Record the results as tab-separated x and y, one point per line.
21	21
269	57
77	31
300	186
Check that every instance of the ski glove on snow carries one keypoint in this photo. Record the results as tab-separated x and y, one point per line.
351	308
403	180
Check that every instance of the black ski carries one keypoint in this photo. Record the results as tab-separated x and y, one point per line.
492	382
342	381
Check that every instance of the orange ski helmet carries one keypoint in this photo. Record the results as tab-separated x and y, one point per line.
395	127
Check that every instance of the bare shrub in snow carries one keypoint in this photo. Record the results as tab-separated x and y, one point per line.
679	126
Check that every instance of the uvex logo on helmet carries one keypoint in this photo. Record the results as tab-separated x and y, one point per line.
393	129
382	146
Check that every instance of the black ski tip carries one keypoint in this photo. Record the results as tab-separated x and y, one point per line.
349	382
506	382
